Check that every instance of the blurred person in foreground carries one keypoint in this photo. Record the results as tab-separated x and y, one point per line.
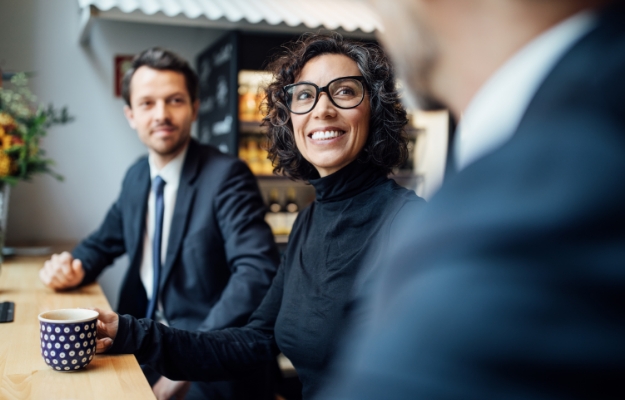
191	221
511	282
336	121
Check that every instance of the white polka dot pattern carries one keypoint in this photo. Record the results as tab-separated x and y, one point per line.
68	347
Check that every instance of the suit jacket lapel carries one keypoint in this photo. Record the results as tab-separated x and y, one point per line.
182	210
138	210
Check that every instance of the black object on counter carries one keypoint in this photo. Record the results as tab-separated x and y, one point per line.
7	309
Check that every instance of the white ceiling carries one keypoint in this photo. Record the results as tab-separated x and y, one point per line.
349	16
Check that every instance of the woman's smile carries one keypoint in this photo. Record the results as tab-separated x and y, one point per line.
326	134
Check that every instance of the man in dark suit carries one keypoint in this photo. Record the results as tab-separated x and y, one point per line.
190	219
511	282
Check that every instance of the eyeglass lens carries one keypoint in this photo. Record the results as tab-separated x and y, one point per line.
345	93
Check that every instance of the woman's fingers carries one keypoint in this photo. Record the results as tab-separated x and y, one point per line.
103	345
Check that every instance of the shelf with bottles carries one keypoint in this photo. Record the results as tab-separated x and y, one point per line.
252	141
251	90
251	128
284	201
253	151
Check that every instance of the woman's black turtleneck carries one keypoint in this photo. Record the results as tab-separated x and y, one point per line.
306	308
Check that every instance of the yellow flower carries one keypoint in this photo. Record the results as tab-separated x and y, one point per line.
2	131
5	164
6	119
7	142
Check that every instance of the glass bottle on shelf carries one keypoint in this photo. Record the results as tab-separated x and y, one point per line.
252	95
276	215
291	208
247	103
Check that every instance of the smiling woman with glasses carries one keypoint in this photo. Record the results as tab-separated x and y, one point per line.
334	120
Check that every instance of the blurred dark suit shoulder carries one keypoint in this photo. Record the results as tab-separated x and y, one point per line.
513	284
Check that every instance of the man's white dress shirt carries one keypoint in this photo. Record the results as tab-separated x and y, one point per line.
494	113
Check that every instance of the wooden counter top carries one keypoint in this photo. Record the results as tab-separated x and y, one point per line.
23	372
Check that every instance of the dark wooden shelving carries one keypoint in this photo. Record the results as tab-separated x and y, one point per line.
251	128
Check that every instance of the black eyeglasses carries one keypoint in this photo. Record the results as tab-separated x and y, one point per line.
346	92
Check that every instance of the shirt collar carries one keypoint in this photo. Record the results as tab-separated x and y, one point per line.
496	110
171	171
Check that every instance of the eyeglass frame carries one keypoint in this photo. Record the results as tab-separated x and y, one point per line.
325	90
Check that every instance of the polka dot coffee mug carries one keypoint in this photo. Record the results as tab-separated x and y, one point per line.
68	338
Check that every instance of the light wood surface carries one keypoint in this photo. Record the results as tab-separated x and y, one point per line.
23	372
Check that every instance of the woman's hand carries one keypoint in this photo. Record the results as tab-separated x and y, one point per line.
165	389
108	321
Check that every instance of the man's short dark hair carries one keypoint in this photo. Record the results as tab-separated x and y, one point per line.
163	60
387	143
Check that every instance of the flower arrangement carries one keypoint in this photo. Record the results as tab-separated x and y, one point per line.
22	125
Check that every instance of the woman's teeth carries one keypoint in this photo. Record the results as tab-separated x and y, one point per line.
326	135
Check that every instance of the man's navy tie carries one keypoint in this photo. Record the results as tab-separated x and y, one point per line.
157	185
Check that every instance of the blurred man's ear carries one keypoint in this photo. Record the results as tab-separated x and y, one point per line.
130	116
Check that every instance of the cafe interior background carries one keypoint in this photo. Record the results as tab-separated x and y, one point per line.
73	50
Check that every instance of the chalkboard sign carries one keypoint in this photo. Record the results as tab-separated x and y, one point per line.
218	122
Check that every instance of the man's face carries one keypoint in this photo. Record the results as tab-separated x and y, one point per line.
161	111
413	49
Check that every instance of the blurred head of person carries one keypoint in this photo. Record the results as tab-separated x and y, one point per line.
160	90
445	50
333	101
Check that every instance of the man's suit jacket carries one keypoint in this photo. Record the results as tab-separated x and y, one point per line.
221	256
511	282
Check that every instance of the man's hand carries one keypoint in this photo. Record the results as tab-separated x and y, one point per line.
108	322
62	272
165	389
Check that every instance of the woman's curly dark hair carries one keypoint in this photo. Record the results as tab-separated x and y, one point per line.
386	145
